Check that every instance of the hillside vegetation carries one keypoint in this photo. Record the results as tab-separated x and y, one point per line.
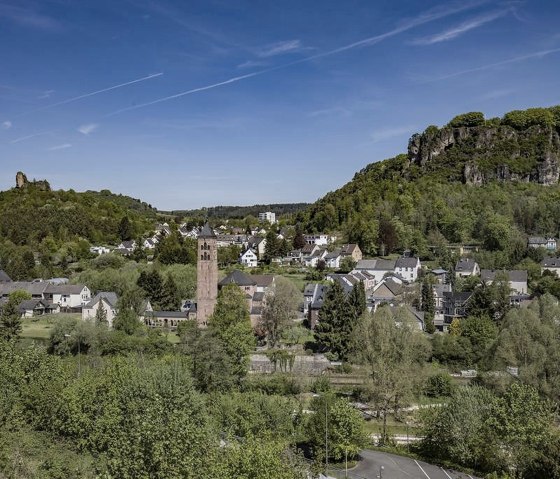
490	182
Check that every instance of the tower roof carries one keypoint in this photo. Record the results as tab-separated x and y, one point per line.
207	232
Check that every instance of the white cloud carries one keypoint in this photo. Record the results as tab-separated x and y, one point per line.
59	147
7	125
251	64
385	134
459	30
280	48
88	129
46	94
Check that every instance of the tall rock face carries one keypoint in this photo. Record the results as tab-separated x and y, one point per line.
479	154
22	183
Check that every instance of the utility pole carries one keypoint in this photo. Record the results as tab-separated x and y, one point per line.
326	435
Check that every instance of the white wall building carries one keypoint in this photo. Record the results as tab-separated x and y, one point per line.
268	216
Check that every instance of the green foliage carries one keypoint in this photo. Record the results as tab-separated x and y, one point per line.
280	310
438	385
337	421
126	230
126	321
474	118
523	119
231	327
10	316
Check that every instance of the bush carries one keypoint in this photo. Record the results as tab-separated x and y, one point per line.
321	385
474	118
439	385
523	119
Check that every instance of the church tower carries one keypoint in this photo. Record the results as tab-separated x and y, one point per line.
207	275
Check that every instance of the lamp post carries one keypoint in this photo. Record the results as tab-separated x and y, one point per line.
381	469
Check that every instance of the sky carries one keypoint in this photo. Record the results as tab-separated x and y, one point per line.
230	102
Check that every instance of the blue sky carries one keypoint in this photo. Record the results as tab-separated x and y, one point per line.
200	103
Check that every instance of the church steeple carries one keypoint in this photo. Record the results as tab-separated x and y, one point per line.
207	275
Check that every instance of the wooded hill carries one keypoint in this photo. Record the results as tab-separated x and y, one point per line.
240	212
490	182
32	213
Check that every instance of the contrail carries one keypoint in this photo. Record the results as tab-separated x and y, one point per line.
97	92
420	20
542	53
23	138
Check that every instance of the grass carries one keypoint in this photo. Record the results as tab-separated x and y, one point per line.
394	427
40	327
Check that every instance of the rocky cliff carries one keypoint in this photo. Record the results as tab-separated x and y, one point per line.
493	150
22	183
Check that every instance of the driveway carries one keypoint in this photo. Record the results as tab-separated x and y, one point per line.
392	466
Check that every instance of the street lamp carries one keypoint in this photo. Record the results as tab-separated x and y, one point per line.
79	355
381	469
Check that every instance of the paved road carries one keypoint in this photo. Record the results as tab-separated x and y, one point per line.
397	467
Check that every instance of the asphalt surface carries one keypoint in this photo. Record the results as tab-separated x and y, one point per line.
397	467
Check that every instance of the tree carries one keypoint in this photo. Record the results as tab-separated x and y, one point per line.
230	325
428	305
337	422
126	230
10	319
299	240
101	314
152	284
280	310
272	247
127	321
392	351
347	264
333	323
170	300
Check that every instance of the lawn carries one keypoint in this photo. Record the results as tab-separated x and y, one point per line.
40	327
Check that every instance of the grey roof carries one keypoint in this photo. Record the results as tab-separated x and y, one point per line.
128	244
441	288
34	288
308	248
263	280
537	240
406	262
65	288
239	278
32	304
258	297
465	265
348	249
366	264
317	294
206	232
551	263
517	276
439	271
457	297
110	297
4	278
385	265
333	254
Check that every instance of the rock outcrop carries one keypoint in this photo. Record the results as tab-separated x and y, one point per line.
477	155
22	183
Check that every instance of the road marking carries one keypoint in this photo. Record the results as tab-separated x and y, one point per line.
422	469
447	473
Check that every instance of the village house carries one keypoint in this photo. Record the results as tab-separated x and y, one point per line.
69	297
225	240
466	267
249	259
540	242
313	299
408	267
439	305
255	288
319	239
129	246
267	216
440	275
378	268
517	279
37	307
455	306
258	245
99	250
105	300
168	320
334	258
552	265
149	243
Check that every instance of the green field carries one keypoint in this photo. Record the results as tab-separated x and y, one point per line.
40	327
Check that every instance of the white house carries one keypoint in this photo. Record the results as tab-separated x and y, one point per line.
466	267
257	244
249	259
378	268
318	239
129	246
149	243
99	250
552	265
517	279
107	301
68	296
407	268
540	242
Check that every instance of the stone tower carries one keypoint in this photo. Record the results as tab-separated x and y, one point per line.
207	275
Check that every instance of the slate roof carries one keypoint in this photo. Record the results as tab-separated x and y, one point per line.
239	278
4	278
258	297
33	288
263	280
206	232
348	249
308	248
537	240
333	254
517	276
378	264
457	297
110	297
32	304
406	262
465	265
551	263
64	288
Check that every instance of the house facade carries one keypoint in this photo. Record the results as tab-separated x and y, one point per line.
466	267
105	300
249	259
552	265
